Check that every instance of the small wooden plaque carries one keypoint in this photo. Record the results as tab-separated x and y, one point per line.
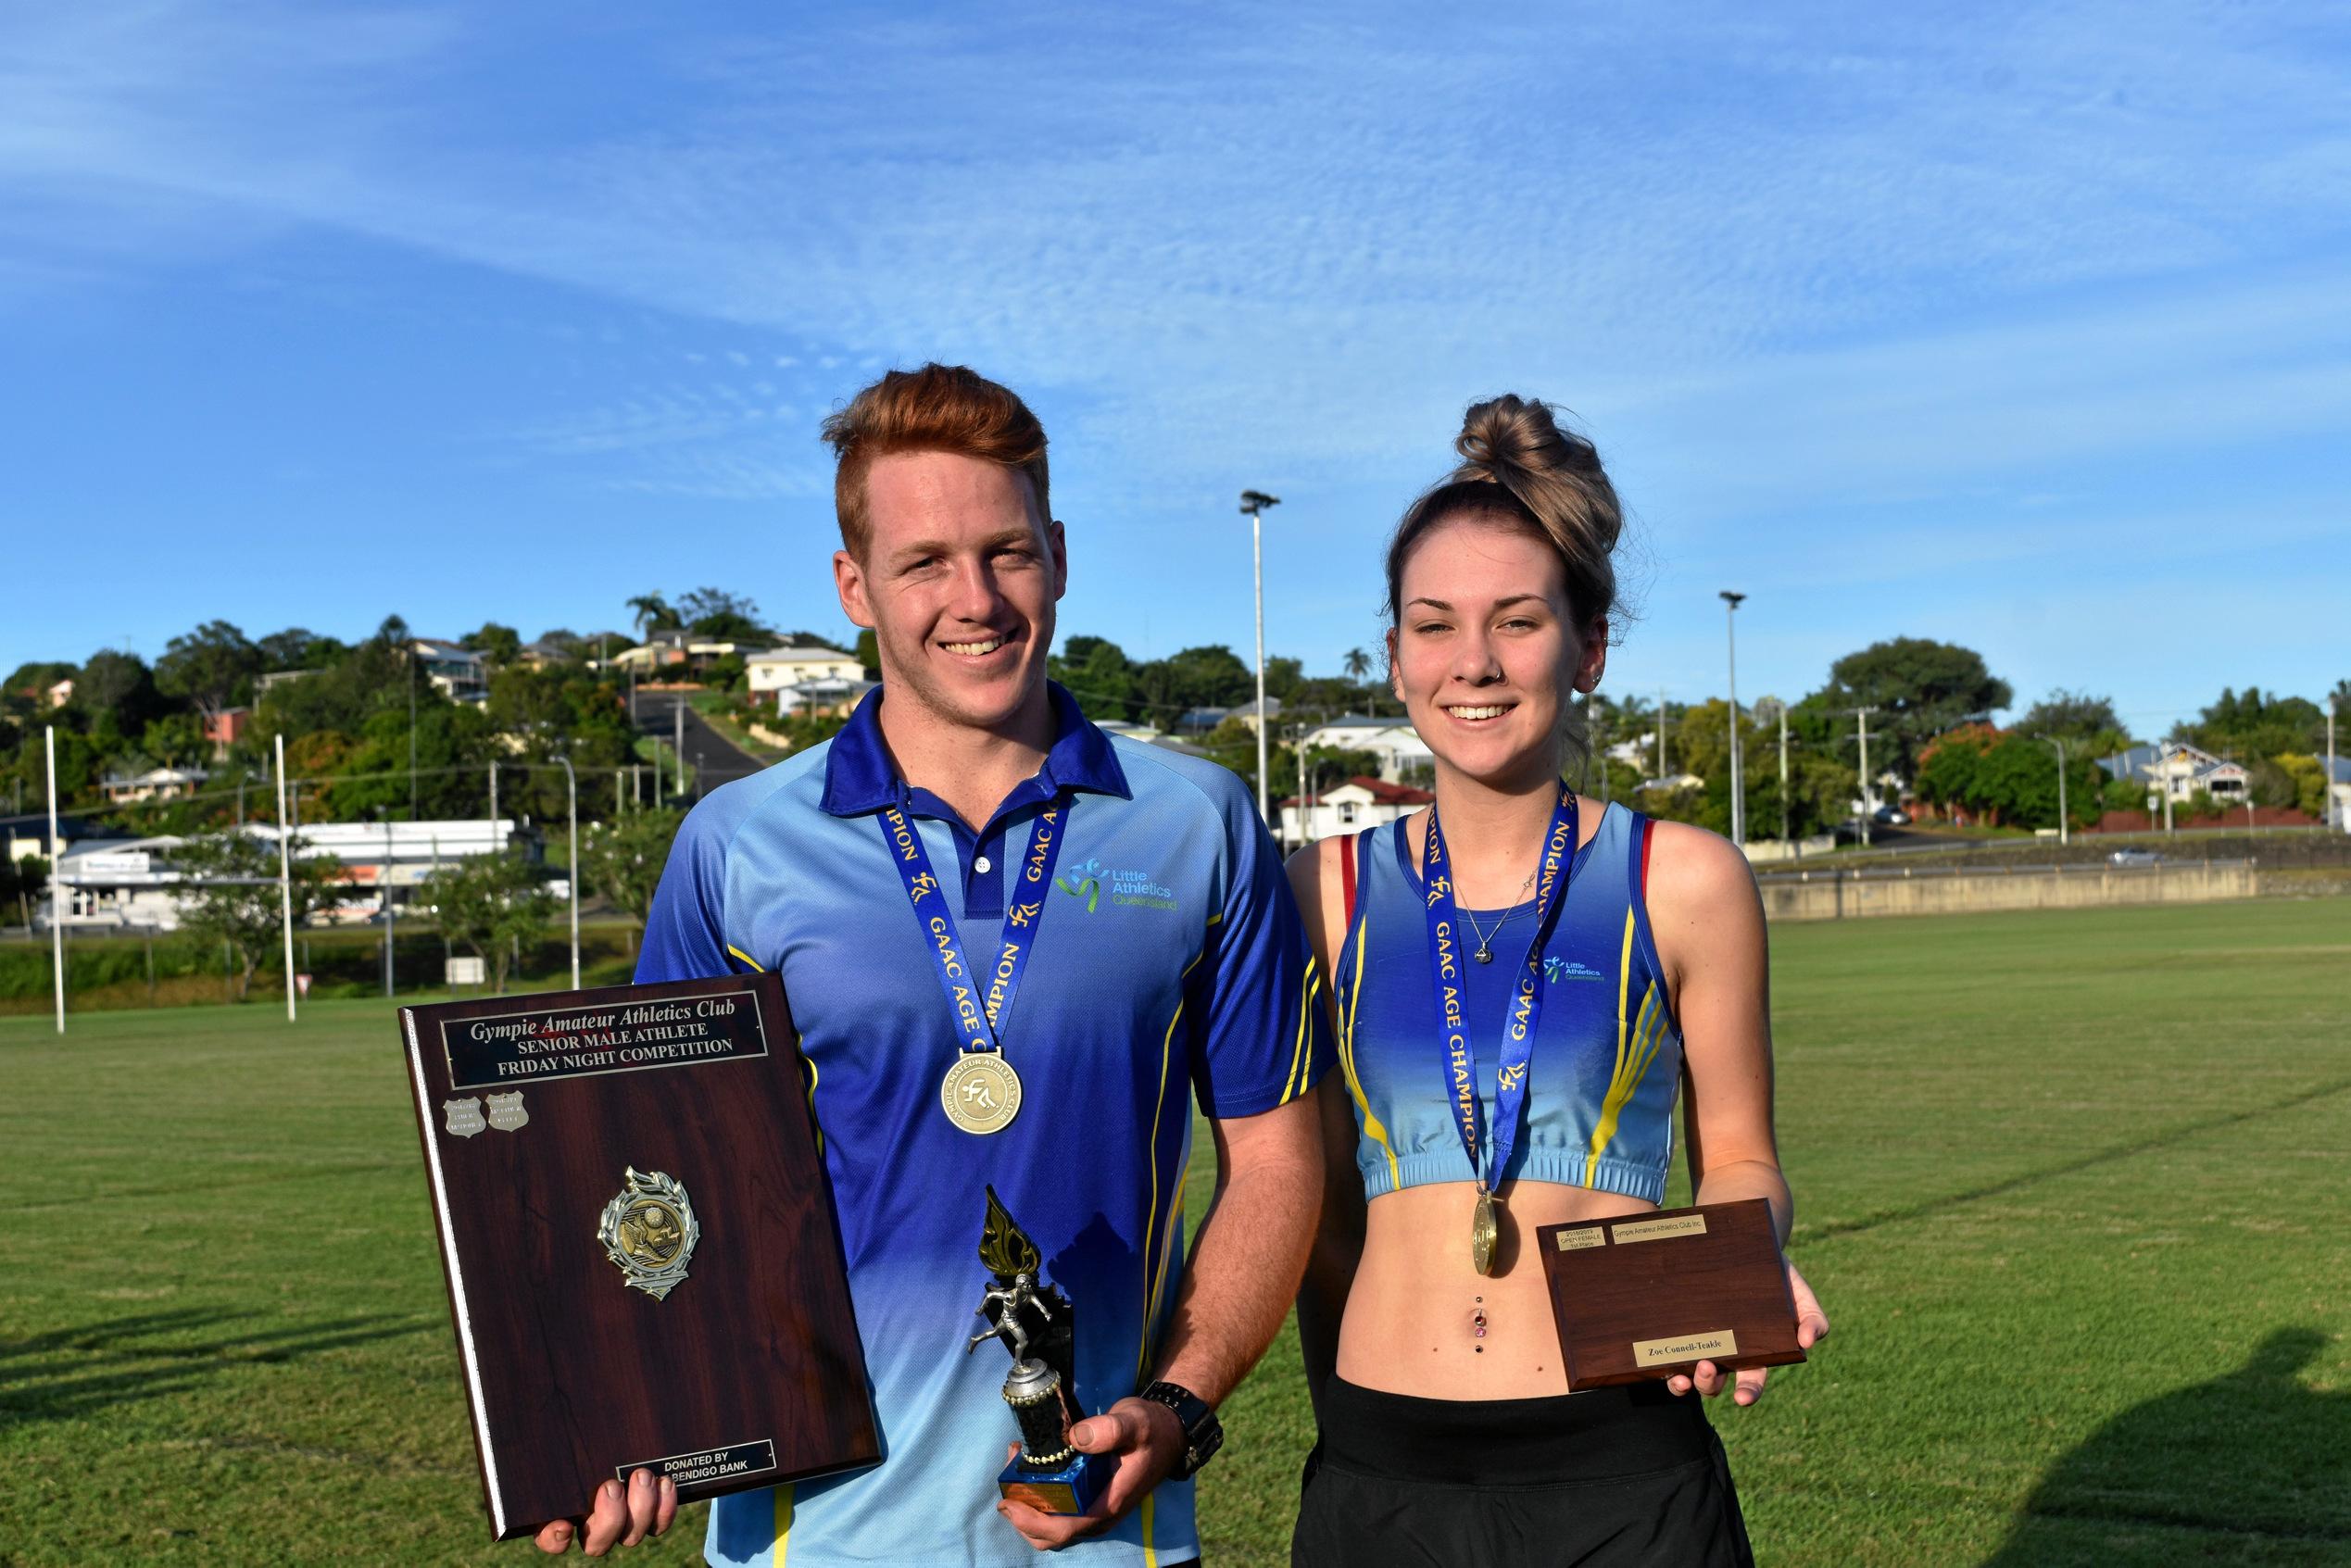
643	1263
1647	1295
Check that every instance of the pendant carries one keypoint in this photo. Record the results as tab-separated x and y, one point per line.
1483	1233
981	1093
1485	955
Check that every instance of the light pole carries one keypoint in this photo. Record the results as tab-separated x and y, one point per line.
286	880
572	805
411	664
1254	503
2063	832
2326	794
56	879
1738	782
1862	714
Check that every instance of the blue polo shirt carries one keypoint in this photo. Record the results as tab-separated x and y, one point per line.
1170	966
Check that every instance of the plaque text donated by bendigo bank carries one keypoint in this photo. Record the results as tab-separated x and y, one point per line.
530	1045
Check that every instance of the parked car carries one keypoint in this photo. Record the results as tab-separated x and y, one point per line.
2134	857
1892	815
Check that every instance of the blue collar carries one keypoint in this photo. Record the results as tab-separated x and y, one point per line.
859	777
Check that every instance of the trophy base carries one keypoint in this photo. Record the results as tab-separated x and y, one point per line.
1069	1489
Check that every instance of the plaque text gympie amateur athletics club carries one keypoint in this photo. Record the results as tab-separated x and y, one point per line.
643	1264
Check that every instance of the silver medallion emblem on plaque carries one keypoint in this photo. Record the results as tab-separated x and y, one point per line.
649	1231
506	1110
464	1116
981	1093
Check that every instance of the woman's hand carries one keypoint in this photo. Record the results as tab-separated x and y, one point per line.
1812	1327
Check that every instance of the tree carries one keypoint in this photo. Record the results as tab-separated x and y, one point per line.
651	612
297	647
869	653
718	614
231	894
491	904
2087	725
211	667
174	740
622	861
1920	687
23	880
2251	727
498	645
117	685
1358	666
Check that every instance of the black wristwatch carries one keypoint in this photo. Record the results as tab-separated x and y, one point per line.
1203	1434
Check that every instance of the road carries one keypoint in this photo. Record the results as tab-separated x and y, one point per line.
714	757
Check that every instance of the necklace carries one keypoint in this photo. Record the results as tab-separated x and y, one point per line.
1485	953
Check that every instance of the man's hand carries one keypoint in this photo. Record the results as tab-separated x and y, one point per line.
1812	1326
1145	1439
622	1515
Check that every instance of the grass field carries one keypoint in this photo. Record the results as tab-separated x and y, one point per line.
2075	1186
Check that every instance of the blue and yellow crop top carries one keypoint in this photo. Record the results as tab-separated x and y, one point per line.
1606	1067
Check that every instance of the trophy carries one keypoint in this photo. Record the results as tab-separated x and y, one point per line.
624	1181
1035	1321
1647	1295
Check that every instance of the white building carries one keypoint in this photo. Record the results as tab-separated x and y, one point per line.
797	665
1404	756
156	783
458	673
2180	770
132	884
1362	802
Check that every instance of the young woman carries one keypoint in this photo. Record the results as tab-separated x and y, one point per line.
1535	1082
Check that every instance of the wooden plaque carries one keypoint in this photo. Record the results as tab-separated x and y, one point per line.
643	1263
1647	1295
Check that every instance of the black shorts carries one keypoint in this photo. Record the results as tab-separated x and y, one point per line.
1607	1479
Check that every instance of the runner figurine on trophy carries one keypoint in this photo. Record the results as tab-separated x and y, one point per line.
1034	1319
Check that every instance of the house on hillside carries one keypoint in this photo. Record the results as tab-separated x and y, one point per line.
156	783
2178	770
782	675
458	673
61	693
676	656
1404	757
224	729
1362	802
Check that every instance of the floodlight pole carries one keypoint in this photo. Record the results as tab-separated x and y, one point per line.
572	802
1254	503
286	880
1738	783
57	880
494	804
2326	796
677	741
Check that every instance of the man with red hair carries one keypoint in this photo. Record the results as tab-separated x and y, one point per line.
1058	1071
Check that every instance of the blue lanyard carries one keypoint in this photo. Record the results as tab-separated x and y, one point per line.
979	1014
1525	1004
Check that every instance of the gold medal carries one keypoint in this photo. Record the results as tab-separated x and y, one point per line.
1484	1231
981	1093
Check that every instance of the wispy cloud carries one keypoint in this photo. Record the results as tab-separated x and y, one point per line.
1827	260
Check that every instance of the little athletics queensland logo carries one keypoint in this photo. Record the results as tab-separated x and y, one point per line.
1569	969
1094	883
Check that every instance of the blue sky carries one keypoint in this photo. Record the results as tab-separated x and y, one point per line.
2026	327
